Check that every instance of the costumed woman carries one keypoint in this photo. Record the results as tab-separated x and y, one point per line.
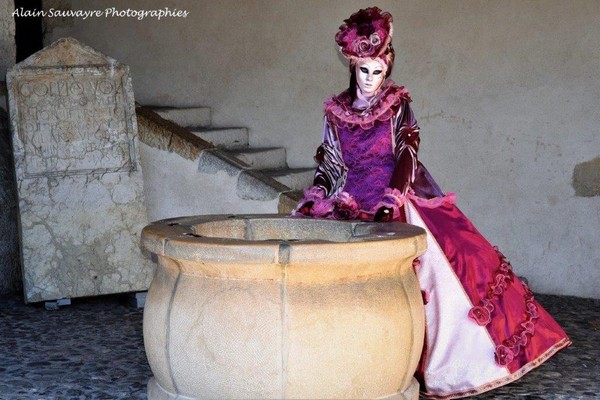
484	328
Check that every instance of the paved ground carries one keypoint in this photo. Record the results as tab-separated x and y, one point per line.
93	349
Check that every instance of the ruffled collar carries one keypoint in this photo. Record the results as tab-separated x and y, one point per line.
362	102
380	107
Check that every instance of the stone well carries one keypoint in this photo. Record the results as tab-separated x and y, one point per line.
277	307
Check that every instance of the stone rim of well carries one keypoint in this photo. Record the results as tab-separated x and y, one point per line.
364	247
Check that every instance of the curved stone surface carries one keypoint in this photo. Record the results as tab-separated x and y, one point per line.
279	307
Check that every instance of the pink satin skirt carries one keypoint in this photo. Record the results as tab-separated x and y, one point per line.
484	328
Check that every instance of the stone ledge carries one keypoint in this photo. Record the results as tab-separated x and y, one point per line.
254	185
288	201
163	134
214	160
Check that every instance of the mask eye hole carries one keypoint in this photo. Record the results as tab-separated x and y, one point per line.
364	70
378	72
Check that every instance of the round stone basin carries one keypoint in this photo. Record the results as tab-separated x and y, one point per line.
273	307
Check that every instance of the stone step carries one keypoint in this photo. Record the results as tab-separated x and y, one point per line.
288	201
223	137
294	178
261	158
186	116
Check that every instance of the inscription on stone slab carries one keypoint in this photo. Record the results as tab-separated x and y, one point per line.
71	123
79	181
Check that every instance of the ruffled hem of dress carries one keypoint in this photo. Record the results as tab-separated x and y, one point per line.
565	342
342	206
344	116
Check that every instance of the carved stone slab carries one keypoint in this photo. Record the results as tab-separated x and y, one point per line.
79	181
68	124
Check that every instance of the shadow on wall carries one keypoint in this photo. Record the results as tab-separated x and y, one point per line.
28	30
10	273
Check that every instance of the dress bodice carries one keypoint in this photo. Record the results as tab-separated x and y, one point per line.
368	154
365	131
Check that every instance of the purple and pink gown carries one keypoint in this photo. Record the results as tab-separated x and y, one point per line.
484	328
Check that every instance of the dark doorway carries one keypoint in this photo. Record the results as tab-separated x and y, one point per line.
28	30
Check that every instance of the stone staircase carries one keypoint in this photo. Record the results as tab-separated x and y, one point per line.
271	161
262	172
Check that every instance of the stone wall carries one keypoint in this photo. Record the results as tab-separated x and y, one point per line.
506	94
8	49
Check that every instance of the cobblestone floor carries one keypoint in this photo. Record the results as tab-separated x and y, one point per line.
93	349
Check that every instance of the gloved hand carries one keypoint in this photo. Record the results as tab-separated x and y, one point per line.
384	214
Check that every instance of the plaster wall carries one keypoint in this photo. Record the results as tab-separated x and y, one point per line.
175	186
506	94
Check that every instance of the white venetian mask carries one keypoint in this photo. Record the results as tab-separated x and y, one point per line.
369	76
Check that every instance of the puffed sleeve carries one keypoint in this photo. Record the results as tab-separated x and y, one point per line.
331	171
406	145
329	177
